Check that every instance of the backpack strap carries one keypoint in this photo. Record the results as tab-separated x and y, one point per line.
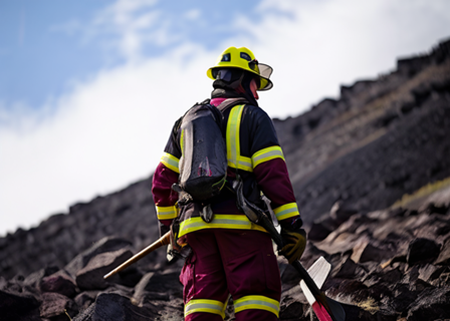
177	125
230	102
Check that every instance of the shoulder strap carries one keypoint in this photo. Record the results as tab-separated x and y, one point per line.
180	120
230	102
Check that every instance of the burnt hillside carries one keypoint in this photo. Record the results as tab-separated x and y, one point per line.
381	139
349	159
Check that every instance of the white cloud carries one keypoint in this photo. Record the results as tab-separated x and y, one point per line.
129	22
110	131
107	133
193	14
318	45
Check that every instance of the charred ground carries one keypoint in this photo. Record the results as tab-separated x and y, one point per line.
349	159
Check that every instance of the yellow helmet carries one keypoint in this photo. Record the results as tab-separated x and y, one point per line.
242	58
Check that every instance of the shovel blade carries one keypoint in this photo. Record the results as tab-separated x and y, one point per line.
319	272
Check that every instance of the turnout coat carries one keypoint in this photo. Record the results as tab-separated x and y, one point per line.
252	150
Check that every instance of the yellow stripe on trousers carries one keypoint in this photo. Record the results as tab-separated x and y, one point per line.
258	302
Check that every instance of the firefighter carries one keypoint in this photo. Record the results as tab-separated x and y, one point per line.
230	255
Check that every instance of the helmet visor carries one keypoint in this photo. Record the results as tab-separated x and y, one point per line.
222	74
233	73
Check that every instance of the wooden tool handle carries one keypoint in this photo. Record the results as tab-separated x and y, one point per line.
163	240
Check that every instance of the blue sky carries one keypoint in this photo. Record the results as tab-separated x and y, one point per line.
45	44
90	89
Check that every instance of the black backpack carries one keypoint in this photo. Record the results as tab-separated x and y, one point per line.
203	164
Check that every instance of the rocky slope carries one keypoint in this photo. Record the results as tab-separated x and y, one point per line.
350	160
380	139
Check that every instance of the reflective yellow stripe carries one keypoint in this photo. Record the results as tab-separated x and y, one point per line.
233	126
287	210
267	154
257	302
166	212
244	163
182	140
225	221
235	159
171	162
210	306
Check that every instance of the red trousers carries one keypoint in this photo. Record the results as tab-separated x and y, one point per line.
237	262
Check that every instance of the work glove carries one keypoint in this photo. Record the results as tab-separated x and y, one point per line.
176	242
294	239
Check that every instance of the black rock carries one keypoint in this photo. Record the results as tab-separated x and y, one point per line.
422	250
106	244
431	305
318	232
57	307
114	306
18	306
59	282
444	255
369	171
91	276
85	299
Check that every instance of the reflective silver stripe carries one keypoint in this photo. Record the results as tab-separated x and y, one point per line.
241	305
233	134
257	302
209	306
166	212
242	163
225	221
171	162
245	162
267	154
235	159
219	221
286	211
197	306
